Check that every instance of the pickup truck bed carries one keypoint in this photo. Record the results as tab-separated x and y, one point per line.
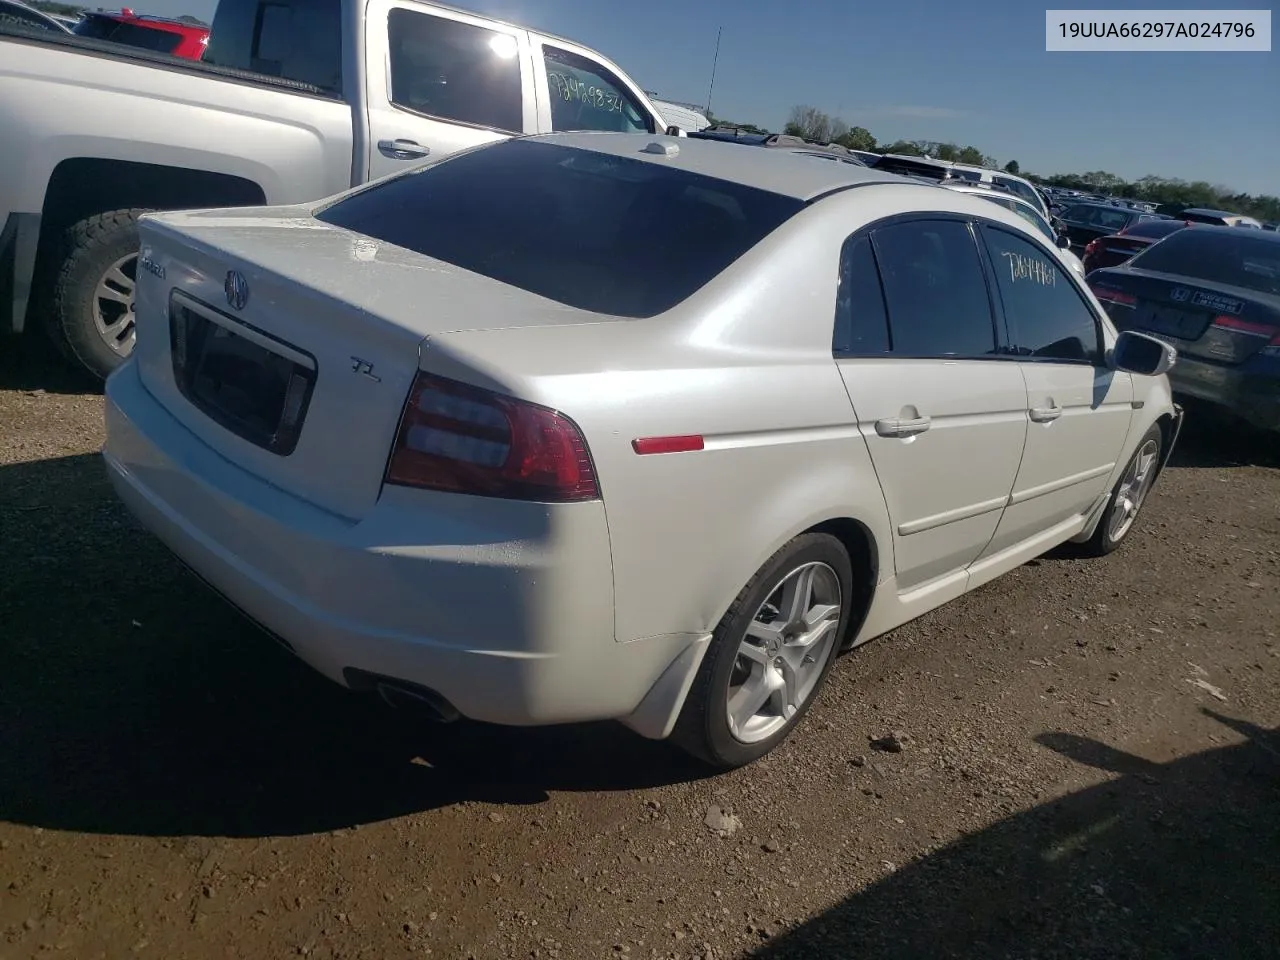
102	133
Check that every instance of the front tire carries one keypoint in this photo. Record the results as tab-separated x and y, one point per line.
1128	496
92	320
769	655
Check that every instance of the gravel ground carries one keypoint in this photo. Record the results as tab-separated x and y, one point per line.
1087	764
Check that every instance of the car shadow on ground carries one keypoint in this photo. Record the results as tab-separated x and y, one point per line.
133	701
30	362
1168	860
1211	439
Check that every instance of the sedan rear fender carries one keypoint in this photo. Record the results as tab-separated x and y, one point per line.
687	530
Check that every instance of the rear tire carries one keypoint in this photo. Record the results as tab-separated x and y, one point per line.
785	663
1128	496
91	321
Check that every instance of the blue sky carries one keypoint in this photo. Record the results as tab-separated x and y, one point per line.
974	73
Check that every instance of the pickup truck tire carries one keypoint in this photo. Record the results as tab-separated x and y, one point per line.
736	662
91	322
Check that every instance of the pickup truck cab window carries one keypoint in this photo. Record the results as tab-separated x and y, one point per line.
454	70
584	95
292	39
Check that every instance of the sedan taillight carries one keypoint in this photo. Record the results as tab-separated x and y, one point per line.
462	439
1236	325
1091	248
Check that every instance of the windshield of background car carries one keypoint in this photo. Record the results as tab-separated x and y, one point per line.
1021	210
1025	191
1237	259
608	234
105	28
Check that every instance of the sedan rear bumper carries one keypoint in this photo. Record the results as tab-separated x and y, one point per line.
1250	391
505	609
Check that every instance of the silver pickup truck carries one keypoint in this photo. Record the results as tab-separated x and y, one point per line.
295	100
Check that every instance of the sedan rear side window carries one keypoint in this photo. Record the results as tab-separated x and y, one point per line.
862	325
935	290
455	71
608	234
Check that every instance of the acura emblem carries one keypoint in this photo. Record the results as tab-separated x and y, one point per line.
236	287
1179	294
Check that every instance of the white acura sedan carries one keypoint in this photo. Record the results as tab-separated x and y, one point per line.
602	426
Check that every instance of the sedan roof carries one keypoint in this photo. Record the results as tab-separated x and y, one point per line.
799	174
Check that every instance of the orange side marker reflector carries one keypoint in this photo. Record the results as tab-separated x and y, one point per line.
684	444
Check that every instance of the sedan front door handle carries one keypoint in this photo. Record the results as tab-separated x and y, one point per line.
402	149
903	428
1045	414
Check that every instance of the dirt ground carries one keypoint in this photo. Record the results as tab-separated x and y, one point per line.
1090	764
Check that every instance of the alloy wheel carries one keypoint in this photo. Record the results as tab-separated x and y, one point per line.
1133	489
781	657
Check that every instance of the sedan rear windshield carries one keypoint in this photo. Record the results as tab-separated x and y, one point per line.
1154	229
608	234
1247	260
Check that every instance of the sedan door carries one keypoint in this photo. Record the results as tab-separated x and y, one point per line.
440	81
1078	411
943	414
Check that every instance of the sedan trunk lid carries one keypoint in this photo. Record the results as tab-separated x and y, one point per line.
289	345
1211	321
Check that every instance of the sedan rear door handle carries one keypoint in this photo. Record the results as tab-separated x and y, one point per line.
1045	414
402	149
903	428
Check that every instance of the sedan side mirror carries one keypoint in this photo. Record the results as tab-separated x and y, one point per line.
674	131
1064	242
1146	356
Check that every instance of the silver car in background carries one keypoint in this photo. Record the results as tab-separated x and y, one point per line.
1027	212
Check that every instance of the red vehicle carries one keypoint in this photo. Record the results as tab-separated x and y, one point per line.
1118	248
178	38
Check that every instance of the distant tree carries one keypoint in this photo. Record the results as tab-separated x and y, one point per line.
858	138
813	124
907	148
808	122
188	18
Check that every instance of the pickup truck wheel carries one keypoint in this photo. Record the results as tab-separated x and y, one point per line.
92	320
769	655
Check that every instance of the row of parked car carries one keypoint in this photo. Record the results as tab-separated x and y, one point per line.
1228	357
